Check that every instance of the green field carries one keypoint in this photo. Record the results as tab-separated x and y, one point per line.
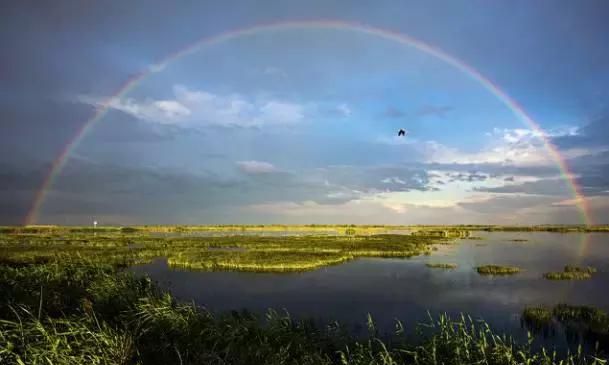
244	253
64	299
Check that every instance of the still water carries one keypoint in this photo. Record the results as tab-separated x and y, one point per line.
406	289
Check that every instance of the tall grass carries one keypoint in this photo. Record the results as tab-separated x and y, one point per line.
109	317
497	270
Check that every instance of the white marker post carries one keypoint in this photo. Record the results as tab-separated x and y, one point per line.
94	226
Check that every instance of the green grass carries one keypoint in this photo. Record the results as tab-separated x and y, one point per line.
592	322
571	273
94	314
245	253
587	269
441	265
497	270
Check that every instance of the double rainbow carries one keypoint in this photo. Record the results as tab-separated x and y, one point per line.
406	40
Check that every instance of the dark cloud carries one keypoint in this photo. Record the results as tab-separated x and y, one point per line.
375	179
508	204
556	187
467	176
495	169
593	134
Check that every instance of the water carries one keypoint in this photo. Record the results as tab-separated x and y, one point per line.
407	289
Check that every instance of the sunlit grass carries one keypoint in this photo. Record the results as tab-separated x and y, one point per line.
497	270
93	314
247	253
571	273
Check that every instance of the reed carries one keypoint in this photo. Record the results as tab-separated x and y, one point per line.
93	314
497	270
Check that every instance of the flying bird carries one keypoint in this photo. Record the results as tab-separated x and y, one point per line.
401	133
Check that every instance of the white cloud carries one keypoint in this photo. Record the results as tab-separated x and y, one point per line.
198	108
344	110
256	167
523	147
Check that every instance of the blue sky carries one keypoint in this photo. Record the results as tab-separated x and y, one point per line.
299	125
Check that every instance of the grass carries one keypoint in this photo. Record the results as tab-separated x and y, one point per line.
94	314
571	273
441	265
497	270
589	321
245	253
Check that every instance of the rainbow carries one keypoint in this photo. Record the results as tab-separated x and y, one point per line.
406	40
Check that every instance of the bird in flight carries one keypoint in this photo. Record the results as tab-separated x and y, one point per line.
401	133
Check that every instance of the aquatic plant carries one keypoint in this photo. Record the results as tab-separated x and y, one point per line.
588	269
586	321
113	317
497	270
571	273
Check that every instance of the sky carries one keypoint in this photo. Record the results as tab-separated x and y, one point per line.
299	124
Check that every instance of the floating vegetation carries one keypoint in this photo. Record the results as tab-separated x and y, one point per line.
537	317
448	266
588	269
95	314
519	240
571	273
497	270
473	238
584	320
561	275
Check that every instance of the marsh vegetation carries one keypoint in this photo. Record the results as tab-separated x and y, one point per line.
93	314
571	273
497	270
586	321
67	298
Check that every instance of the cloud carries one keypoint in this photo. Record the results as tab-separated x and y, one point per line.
521	147
157	67
256	167
555	186
393	113
274	72
593	134
344	110
433	111
198	108
507	204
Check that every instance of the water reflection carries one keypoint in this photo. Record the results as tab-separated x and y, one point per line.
407	289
